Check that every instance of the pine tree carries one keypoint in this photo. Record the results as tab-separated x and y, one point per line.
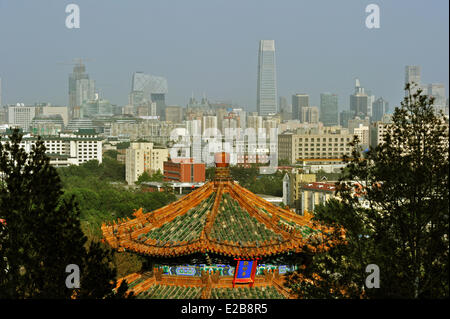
399	221
41	233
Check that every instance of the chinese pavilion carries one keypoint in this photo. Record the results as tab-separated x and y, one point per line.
219	241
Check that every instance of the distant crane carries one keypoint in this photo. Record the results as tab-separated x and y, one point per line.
76	61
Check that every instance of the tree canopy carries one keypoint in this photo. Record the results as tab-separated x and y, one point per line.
41	234
393	203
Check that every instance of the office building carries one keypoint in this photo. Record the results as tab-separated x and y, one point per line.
21	115
81	88
345	116
96	107
184	170
324	143
329	109
266	101
47	124
149	87
299	101
359	100
63	111
412	74
370	101
379	108
66	149
310	114
437	91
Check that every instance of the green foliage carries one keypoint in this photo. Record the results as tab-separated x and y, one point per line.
112	154
122	145
403	226
146	177
250	178
42	233
103	196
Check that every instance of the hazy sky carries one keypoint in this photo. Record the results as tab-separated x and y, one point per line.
211	46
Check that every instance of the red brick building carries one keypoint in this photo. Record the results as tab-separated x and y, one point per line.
184	171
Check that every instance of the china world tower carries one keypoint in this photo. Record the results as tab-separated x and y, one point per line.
266	100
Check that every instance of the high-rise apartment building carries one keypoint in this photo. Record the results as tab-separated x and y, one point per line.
266	100
143	157
299	101
329	115
363	134
209	122
174	114
255	122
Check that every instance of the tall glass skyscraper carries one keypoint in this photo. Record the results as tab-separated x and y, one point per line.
329	109
379	108
266	100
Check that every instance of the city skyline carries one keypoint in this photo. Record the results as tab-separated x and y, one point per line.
224	66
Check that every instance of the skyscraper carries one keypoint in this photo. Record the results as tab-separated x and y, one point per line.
379	108
370	100
81	88
359	101
144	87
437	90
329	109
345	116
299	101
266	100
412	74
